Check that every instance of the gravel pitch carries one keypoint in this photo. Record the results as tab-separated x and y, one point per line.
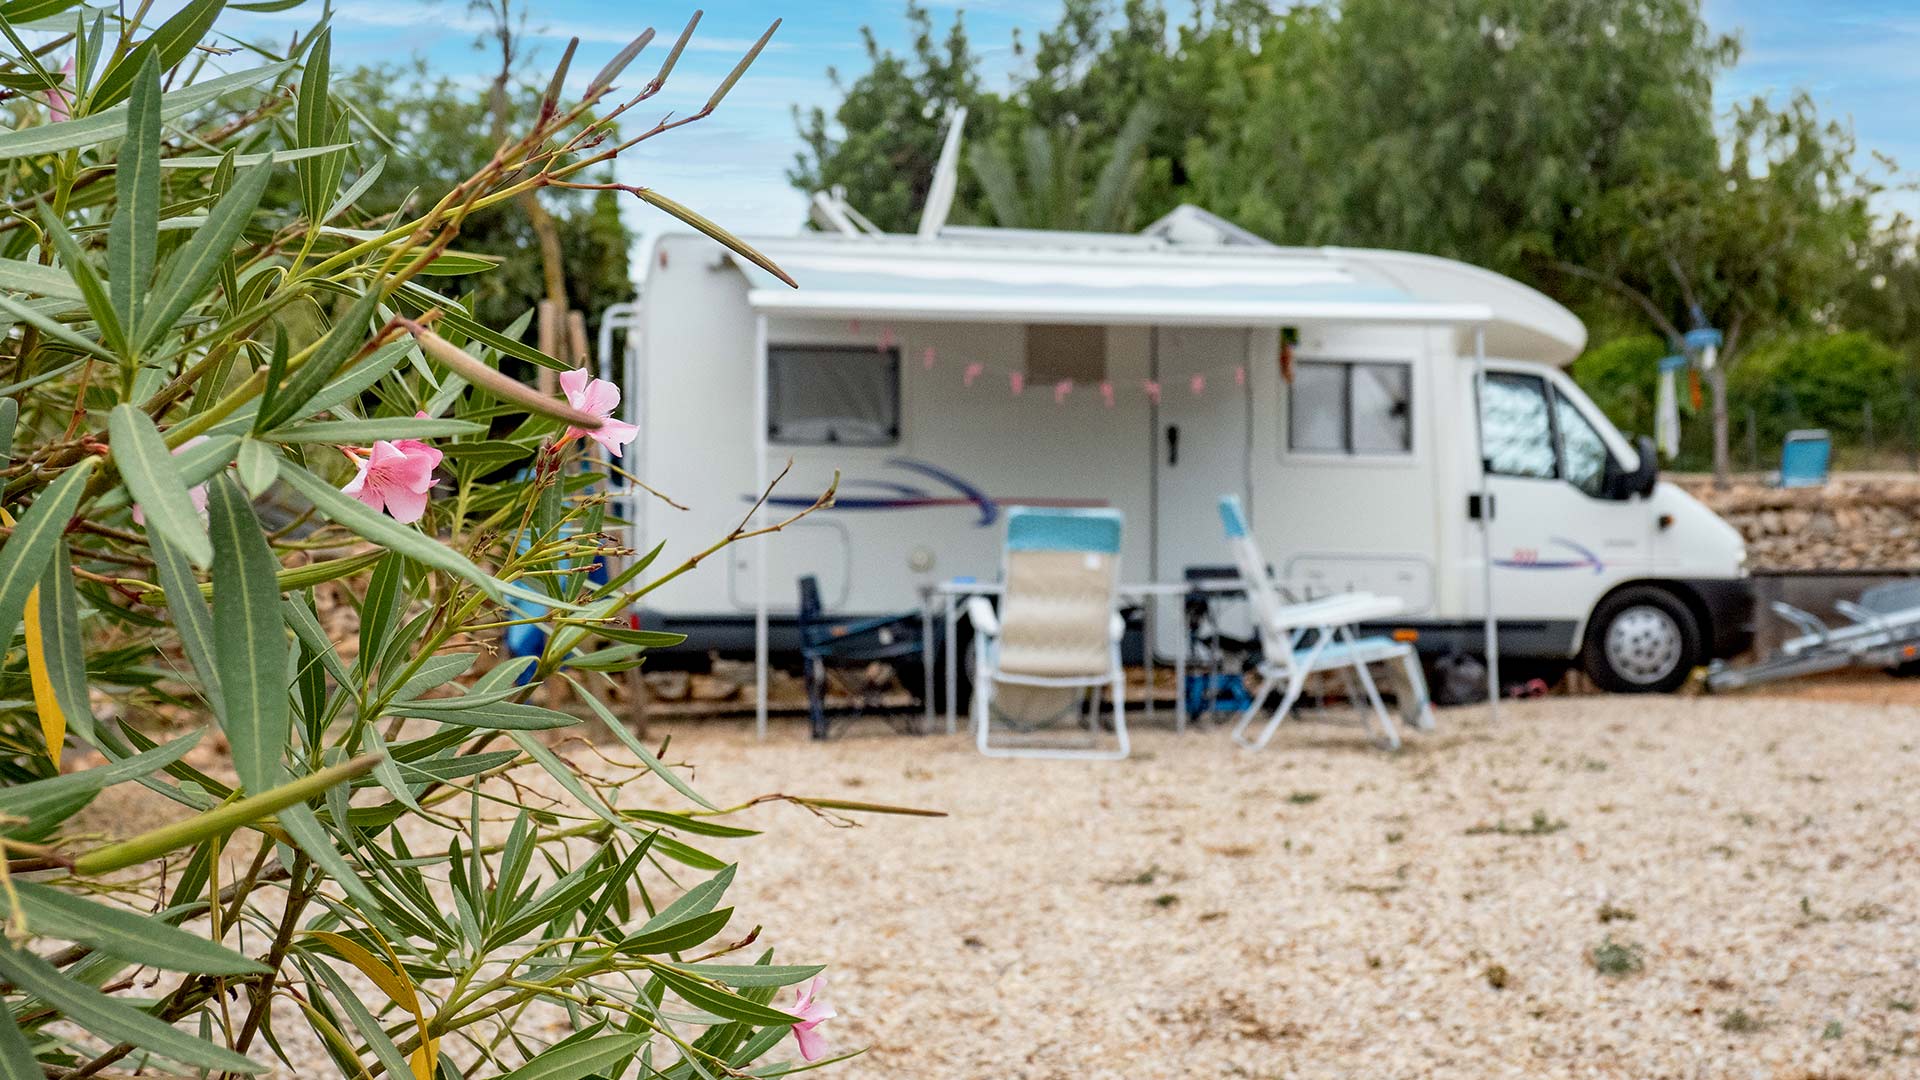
1584	887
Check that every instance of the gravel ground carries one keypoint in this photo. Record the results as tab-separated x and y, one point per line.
1322	909
1744	867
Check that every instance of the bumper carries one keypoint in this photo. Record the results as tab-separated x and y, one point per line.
1729	607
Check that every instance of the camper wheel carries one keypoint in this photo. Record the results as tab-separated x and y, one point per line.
1642	640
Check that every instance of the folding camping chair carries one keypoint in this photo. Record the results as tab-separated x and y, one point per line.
1058	630
1287	654
860	657
1804	458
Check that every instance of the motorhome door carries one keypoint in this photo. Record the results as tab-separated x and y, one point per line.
1556	543
1200	437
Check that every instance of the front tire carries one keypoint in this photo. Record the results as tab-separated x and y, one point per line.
1642	640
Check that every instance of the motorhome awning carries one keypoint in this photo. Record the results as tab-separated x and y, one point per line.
1137	289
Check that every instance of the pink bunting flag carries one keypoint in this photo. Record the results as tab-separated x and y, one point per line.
926	358
1060	391
887	340
853	326
1240	376
1198	384
972	373
1153	390
1017	382
1106	393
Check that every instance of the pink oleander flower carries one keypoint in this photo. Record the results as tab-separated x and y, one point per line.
394	476
198	493
596	397
60	107
813	1045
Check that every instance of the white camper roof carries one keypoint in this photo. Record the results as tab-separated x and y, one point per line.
1017	275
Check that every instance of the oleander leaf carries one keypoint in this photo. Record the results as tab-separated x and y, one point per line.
249	639
127	934
113	1020
153	476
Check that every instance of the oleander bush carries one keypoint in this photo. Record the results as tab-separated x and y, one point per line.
228	415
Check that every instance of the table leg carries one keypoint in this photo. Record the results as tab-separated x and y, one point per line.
953	662
926	659
1148	639
1180	689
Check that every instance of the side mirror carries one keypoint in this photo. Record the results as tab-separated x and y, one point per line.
1622	483
1648	473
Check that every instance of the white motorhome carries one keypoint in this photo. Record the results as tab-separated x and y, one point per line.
952	374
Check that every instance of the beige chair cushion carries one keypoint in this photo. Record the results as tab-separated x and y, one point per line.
1055	616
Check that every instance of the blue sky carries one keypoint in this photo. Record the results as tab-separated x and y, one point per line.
1854	56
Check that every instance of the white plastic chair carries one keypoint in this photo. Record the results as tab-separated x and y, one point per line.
1058	627
1335	646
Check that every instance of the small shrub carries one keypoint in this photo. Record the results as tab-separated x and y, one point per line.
1616	958
1738	1021
1868	912
1304	798
1539	825
1497	976
1610	913
1833	1030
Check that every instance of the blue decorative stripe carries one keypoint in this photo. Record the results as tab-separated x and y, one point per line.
1232	517
1032	528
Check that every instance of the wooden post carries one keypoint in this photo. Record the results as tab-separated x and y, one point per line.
581	356
552	342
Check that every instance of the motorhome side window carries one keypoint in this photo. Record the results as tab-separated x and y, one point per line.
1344	407
831	394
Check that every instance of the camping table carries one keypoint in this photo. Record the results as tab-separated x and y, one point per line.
944	598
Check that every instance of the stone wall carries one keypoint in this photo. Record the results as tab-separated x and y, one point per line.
1857	522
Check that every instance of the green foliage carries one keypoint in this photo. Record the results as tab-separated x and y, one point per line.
1621	376
1038	184
1617	958
1821	380
213	288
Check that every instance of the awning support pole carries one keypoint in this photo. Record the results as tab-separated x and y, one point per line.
1486	521
760	657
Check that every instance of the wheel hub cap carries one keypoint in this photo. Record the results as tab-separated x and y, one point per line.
1643	645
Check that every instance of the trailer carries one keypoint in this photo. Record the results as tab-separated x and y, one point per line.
1395	423
1882	631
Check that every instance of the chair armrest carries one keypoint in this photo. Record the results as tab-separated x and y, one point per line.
980	613
1338	610
1116	626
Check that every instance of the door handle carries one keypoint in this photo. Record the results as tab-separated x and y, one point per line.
1173	444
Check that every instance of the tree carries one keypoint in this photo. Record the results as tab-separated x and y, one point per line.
883	140
1044	189
1751	247
1473	129
1819	379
